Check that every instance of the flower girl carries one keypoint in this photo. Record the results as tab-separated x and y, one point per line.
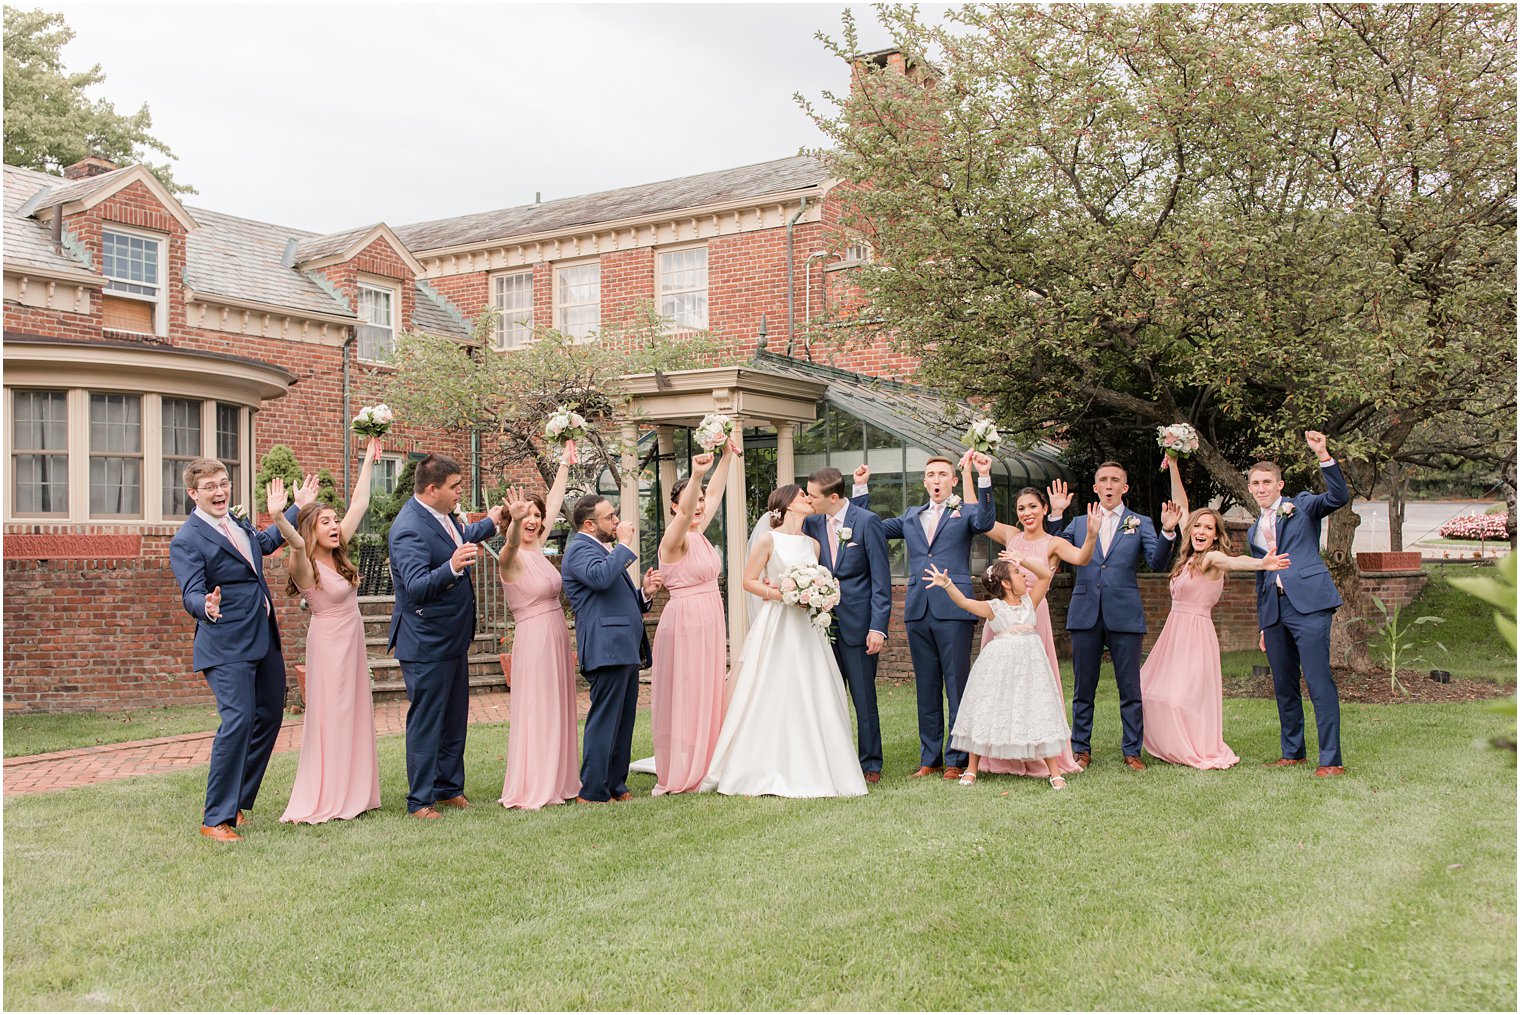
1011	707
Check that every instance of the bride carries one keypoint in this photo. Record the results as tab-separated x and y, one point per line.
787	728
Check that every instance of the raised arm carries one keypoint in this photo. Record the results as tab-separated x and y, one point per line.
1226	562
507	557
985	515
1079	555
554	502
358	501
941	579
673	543
1337	495
1042	573
861	479
297	561
717	484
1179	493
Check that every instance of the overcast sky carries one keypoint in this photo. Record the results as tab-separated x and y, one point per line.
329	116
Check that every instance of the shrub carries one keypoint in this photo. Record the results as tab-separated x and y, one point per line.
1495	526
277	461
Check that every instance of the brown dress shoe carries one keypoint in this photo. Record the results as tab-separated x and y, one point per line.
1133	763
623	798
923	771
952	772
1083	759
221	833
1285	762
583	800
453	801
873	777
426	814
1326	771
240	820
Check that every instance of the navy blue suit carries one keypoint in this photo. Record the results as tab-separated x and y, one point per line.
865	605
239	653
432	625
1106	611
611	646
1295	617
939	632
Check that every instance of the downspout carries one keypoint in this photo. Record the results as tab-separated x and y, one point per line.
807	299
475	491
348	439
791	285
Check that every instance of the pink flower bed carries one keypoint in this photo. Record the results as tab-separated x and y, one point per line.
1477	527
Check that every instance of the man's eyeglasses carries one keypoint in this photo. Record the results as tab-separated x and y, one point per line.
214	487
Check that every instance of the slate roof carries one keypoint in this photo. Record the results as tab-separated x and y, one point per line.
434	314
241	259
776	177
332	243
65	191
30	241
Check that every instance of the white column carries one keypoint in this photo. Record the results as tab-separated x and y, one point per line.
628	510
785	468
665	436
738	542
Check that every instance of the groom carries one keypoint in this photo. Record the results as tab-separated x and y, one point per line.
610	642
853	546
432	625
1105	610
939	632
1295	606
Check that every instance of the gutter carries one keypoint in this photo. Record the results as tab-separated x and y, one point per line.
791	283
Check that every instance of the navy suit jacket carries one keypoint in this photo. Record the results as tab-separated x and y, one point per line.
1306	580
864	572
609	609
203	559
434	615
950	552
1108	580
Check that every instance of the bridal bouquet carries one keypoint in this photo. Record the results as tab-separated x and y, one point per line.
374	420
982	436
813	588
714	431
1178	441
565	427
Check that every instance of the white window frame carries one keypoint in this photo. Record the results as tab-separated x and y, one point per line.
144	464
159	300
661	292
13	451
859	251
514	326
394	463
560	307
394	296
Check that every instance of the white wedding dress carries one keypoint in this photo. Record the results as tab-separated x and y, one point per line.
787	729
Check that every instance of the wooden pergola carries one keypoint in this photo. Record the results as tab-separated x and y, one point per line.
752	398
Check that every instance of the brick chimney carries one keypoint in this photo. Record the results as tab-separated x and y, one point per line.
90	165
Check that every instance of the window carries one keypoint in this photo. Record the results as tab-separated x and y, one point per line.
40	451
578	300
377	328
513	297
858	252
133	267
382	477
180	425
683	287
229	444
116	455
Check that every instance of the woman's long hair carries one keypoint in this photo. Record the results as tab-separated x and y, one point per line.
781	497
1185	553
306	525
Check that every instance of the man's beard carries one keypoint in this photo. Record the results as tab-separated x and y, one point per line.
607	537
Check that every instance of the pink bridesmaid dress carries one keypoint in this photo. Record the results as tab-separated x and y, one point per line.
690	664
1066	763
338	775
1180	684
543	756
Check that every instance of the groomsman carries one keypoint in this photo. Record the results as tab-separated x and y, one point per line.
939	632
610	641
432	626
237	642
1105	610
1295	606
853	546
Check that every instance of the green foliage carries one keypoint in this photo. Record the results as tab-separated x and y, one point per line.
280	461
438	383
1498	592
1394	637
328	492
50	122
383	507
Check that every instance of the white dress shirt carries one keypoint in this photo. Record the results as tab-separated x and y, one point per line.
448	526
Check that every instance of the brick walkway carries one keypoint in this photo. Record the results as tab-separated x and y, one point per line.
42	773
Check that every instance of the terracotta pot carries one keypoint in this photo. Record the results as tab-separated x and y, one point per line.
1404	560
300	688
506	667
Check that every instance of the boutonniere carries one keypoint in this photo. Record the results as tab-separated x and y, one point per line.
953	502
239	512
1286	509
1130	524
845	532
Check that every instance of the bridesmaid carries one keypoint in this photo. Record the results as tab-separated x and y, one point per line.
543	756
690	643
338	775
1029	539
1181	690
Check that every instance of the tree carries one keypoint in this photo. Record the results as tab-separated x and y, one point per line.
50	122
1256	219
442	384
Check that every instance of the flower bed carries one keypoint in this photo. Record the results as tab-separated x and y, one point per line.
1477	527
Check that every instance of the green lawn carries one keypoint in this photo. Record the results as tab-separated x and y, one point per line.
40	734
1253	889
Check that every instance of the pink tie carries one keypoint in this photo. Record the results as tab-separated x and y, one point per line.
1269	536
934	510
833	540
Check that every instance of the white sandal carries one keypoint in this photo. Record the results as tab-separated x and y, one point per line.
1058	782
967	779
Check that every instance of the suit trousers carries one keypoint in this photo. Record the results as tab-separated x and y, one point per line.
859	671
1086	661
1300	642
608	739
941	651
250	698
436	722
